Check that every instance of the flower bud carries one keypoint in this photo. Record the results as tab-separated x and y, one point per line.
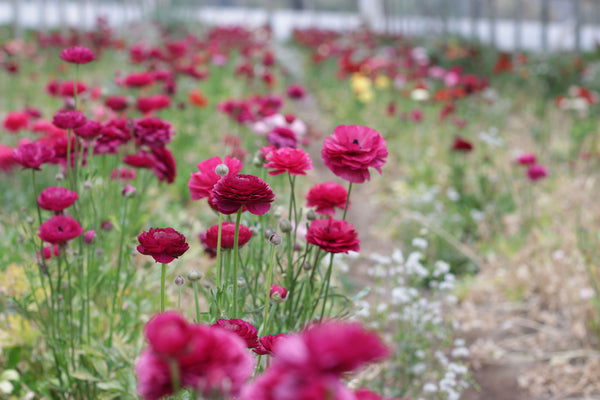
222	170
311	215
195	275
89	236
285	226
306	266
278	294
87	185
128	191
179	280
60	177
30	220
275	239
106	225
257	161
269	232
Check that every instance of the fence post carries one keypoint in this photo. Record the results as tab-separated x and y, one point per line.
544	18
578	17
474	19
16	15
444	14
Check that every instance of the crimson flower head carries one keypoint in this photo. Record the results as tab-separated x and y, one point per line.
163	244
68	119
278	293
462	145
89	130
201	183
352	150
168	334
535	172
267	343
295	91
326	196
333	235
116	103
281	136
210	237
233	192
59	229
152	132
243	329
527	159
164	166
286	159
33	155
77	55
56	198
15	121
139	79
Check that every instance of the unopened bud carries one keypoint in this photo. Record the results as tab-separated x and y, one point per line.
60	177
278	294
306	266
89	236
311	215
128	191
179	280
195	275
275	239
222	170
30	220
87	185
269	232
285	226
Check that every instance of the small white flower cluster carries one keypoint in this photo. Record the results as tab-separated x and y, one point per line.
413	317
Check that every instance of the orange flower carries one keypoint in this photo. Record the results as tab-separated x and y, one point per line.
197	99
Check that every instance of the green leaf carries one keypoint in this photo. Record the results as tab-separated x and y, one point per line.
84	376
111	385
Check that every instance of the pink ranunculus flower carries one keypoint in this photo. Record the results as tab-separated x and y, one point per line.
245	330
278	293
286	159
59	229
267	343
526	159
326	196
89	130
333	235
210	237
233	192
15	121
352	150
201	183
168	334
56	198
33	155
77	55
152	132
163	244
535	172
153	376
68	119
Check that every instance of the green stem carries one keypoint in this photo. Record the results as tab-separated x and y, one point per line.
326	283
196	300
347	200
268	282
119	266
219	235
235	261
163	277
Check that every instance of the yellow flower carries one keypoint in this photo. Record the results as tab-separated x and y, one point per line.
16	331
365	96
382	82
360	83
14	281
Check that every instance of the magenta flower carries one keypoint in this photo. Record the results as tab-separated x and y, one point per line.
209	238
89	130
68	119
245	330
326	196
56	198
282	137
232	192
201	183
278	293
164	166
333	235
33	155
15	121
526	159
59	229
352	150
77	55
286	159
168	334
535	172
462	145
163	244
266	344
152	132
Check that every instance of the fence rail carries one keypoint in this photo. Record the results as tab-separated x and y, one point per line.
542	25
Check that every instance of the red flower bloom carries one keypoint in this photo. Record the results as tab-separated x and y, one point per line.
139	160
152	132
461	144
245	330
295	91
59	229
6	158
89	130
123	174
278	293
33	155
232	192
282	137
333	235
152	103
139	79
526	159
326	196
168	334
15	121
210	237
164	164
536	172
56	198
286	159
351	150
116	103
67	89
68	119
266	344
163	244
77	55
